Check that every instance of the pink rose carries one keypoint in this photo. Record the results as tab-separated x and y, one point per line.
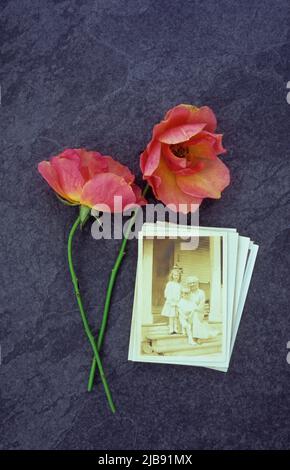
180	162
90	179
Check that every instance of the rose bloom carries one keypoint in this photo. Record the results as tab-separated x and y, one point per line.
90	179
180	162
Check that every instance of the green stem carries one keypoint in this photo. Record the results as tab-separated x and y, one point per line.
83	315
109	292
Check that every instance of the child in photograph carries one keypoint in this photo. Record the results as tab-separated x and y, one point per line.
185	310
200	328
172	297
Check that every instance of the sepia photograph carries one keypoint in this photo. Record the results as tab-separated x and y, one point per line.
182	297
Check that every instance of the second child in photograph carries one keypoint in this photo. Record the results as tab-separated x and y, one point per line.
185	314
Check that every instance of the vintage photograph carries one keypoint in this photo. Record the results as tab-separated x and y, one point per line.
181	309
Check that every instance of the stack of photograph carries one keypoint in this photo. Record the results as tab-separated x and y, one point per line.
190	291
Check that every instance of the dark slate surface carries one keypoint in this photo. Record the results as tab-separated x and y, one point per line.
99	74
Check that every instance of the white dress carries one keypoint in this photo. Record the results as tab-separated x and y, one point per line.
172	296
200	328
185	311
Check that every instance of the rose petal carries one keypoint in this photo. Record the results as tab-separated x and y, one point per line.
150	158
218	146
214	139
206	115
69	176
91	163
168	191
154	182
102	189
70	154
209	182
50	175
174	117
191	170
180	114
201	149
173	162
143	160
181	133
186	114
118	169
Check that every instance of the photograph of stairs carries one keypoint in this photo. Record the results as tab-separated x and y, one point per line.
157	340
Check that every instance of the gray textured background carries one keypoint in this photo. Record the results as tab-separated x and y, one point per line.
99	74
